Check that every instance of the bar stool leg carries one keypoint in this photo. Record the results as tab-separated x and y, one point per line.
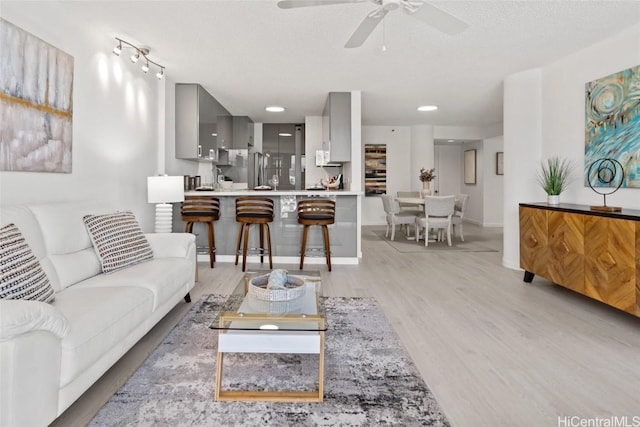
269	246
327	246
212	254
241	228
261	231
304	245
245	247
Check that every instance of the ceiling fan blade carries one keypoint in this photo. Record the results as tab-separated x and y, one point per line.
437	18
366	28
289	4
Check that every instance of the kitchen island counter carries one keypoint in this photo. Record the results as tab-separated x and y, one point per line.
286	233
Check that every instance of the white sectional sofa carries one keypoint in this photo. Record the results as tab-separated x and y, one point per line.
51	353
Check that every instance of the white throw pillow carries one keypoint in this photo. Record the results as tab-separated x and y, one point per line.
21	275
118	240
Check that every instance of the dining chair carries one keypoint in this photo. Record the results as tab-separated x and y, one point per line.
409	207
438	211
394	216
458	214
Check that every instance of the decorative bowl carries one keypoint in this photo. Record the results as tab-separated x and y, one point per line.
331	185
226	185
294	288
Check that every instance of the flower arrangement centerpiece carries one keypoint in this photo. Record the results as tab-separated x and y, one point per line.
426	176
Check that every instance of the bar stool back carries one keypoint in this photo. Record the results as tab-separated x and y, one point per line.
316	211
254	210
205	209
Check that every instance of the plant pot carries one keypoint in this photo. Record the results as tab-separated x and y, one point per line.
553	199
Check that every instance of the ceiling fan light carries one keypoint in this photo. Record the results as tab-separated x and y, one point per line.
274	109
427	108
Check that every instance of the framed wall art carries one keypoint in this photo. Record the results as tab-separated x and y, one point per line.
36	108
470	166
375	169
500	163
612	125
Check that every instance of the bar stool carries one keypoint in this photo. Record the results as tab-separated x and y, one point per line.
254	210
205	209
316	211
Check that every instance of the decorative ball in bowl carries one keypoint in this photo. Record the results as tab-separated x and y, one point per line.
331	185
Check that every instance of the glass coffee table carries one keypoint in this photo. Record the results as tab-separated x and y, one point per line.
250	323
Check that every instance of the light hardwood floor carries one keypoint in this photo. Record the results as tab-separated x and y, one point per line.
493	350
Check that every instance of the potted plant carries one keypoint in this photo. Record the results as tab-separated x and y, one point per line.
426	176
553	177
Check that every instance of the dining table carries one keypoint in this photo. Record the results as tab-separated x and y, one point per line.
416	201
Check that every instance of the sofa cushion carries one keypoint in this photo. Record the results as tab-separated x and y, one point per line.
118	240
164	277
100	319
21	276
69	250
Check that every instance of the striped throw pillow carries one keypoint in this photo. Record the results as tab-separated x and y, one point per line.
21	275
118	240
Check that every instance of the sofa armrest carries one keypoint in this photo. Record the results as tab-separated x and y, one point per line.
172	245
18	317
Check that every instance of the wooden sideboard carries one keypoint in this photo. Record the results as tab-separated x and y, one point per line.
594	253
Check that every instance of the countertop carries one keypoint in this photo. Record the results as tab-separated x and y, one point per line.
221	193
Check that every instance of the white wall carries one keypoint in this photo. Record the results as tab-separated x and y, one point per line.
544	116
398	142
115	119
475	205
493	185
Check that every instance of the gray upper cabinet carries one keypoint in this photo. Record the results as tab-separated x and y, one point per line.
197	114
337	126
235	133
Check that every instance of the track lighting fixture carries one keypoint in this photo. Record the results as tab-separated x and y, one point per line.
139	51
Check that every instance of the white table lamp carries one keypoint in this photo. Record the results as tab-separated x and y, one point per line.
164	190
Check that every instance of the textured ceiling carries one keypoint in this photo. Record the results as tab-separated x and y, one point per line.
250	54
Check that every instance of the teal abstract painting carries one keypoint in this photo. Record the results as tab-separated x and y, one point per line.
612	125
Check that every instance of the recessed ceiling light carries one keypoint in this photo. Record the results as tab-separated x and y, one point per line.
274	109
284	134
214	134
427	108
451	140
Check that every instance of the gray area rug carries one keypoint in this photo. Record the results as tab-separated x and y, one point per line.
401	244
370	380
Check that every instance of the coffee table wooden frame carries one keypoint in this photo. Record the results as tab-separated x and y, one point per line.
271	396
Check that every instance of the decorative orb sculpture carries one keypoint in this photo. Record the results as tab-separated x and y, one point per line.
609	174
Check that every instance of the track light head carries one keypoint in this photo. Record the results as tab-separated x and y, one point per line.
145	67
134	58
160	74
118	49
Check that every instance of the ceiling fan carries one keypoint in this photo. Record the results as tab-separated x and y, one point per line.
426	13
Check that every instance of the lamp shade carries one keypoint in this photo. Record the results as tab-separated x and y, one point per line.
165	189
